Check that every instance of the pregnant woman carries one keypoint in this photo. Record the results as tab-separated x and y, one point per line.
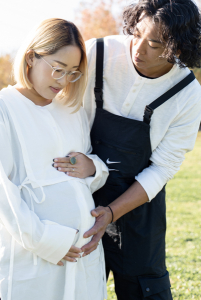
44	213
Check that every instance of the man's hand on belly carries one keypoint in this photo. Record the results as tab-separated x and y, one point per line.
103	218
132	198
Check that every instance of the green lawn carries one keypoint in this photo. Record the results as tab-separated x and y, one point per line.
183	240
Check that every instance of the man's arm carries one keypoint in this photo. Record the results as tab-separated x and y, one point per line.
132	198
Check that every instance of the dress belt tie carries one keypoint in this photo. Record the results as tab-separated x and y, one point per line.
30	191
32	197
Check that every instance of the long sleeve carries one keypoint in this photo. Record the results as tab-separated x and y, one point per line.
46	239
170	153
98	180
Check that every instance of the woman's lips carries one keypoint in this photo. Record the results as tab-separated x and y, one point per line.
55	90
137	59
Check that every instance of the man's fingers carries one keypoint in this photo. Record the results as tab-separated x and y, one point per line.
91	250
94	230
94	213
93	243
97	211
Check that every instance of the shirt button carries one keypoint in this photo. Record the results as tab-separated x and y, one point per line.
127	104
147	290
134	90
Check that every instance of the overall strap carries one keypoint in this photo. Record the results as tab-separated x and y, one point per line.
98	90
149	109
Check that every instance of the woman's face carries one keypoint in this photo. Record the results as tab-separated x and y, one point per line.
147	48
40	73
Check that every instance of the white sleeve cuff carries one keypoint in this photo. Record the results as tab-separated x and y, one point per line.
98	180
55	242
151	182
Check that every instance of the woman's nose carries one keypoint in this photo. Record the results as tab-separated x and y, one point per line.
63	81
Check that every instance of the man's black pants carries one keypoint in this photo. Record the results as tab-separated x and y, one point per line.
140	288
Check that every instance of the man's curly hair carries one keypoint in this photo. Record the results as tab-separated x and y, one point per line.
180	27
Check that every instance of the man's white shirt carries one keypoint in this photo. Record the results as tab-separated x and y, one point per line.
174	125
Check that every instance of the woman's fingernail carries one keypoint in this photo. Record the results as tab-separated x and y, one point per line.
53	165
75	260
59	169
67	173
55	159
83	255
61	264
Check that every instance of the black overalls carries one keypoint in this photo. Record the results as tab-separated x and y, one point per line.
135	244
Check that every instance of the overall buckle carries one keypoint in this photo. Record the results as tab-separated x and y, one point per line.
98	97
148	112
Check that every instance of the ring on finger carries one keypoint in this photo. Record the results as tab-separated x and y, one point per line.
73	160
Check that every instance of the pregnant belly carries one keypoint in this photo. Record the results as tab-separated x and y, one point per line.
68	204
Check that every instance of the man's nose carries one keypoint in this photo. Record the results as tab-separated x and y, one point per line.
140	46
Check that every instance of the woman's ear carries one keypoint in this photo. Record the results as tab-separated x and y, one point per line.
30	56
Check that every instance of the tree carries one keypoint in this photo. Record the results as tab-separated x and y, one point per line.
6	77
99	18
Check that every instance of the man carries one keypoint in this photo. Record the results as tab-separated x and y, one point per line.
142	142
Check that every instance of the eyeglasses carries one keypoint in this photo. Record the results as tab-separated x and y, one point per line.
58	73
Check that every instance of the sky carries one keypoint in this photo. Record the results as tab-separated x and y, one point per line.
18	17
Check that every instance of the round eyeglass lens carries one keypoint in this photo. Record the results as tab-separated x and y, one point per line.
74	76
58	73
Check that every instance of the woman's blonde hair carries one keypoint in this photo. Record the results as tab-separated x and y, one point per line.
51	35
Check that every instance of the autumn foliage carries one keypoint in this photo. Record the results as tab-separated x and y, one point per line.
95	19
5	71
99	18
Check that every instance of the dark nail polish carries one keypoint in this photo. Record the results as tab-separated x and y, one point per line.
53	159
53	165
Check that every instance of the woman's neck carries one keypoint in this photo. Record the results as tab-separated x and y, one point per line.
32	95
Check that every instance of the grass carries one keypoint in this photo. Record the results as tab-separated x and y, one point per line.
183	242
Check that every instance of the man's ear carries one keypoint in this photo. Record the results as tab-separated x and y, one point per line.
29	56
178	53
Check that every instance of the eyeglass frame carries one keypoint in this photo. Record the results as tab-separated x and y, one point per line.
66	72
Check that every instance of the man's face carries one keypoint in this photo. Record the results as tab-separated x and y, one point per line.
146	49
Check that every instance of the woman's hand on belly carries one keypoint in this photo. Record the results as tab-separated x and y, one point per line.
71	256
83	168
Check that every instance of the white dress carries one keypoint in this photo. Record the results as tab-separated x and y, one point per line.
42	208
